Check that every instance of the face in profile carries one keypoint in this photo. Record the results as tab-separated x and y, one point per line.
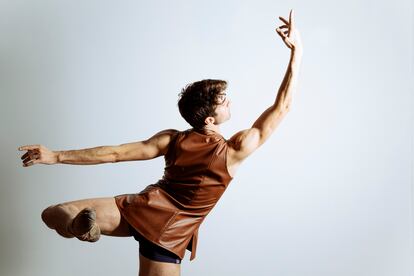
222	109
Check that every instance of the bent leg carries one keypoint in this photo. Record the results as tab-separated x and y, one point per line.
149	267
108	217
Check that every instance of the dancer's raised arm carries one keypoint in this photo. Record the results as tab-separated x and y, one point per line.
153	147
246	141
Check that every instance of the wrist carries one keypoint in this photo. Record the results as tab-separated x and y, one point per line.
57	155
296	58
296	52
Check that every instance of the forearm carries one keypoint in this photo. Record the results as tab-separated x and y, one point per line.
272	116
289	83
90	156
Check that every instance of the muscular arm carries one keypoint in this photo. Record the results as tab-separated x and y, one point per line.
246	141
153	147
243	143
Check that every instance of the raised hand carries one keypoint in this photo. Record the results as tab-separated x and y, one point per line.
289	33
37	154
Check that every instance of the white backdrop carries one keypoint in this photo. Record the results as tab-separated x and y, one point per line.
329	194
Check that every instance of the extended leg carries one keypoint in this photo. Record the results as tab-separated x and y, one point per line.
108	217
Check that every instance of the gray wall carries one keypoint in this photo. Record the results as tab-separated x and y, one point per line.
329	194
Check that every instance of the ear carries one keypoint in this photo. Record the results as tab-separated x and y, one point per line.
209	120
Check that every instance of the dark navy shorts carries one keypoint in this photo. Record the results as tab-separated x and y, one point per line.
153	251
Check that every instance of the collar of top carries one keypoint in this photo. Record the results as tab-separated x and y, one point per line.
208	132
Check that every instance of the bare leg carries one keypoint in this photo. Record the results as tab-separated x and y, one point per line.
149	267
108	217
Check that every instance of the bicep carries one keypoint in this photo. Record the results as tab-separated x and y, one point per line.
244	143
268	121
151	148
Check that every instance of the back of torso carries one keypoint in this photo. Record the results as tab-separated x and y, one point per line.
195	168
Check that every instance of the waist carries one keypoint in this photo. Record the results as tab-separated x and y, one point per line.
193	195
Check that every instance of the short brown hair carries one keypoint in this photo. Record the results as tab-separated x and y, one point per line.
199	99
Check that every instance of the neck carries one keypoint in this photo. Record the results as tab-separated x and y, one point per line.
212	127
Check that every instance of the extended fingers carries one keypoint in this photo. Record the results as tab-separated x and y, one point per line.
285	31
290	24
284	20
291	18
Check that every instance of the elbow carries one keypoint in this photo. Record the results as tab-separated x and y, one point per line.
111	158
114	159
282	108
115	155
286	107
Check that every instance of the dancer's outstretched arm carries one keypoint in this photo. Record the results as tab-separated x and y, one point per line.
151	148
246	141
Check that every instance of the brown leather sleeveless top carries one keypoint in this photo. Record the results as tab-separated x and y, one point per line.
170	212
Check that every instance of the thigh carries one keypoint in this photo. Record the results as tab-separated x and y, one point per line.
149	267
108	216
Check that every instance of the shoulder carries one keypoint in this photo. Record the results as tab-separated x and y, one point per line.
163	138
167	132
164	135
239	147
150	148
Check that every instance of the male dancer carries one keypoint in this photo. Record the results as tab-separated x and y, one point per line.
200	163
